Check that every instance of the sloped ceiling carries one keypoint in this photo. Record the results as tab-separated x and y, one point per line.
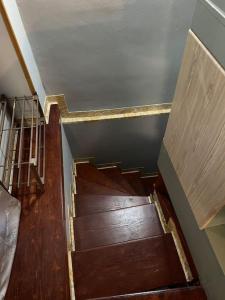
108	53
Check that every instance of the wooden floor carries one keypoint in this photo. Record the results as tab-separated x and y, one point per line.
187	293
120	246
40	269
121	249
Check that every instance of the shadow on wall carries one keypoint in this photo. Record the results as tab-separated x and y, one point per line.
135	142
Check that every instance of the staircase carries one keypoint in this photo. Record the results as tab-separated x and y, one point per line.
126	239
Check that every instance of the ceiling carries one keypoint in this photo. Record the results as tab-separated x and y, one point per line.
12	79
108	53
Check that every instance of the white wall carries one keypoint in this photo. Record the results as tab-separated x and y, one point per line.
21	36
12	79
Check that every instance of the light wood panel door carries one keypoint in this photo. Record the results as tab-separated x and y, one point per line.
195	135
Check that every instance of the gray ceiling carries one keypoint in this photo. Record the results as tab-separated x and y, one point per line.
108	53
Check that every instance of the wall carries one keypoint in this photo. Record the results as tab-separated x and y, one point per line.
12	79
208	24
135	142
108	54
21	36
211	275
67	175
13	83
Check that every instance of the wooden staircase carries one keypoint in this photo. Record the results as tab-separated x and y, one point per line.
128	242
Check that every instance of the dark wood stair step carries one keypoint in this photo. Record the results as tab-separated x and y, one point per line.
169	212
114	173
134	179
92	174
132	267
89	204
148	184
183	293
117	226
86	187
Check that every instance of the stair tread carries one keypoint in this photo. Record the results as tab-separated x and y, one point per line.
169	212
132	267
116	226
135	181
91	204
86	187
92	174
115	174
148	184
182	293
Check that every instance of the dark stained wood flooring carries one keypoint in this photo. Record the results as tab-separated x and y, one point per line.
40	269
138	266
187	293
87	187
117	226
115	174
92	204
86	170
134	179
121	249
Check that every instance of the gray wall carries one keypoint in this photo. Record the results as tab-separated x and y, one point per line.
67	174
12	79
108	53
209	25
211	275
135	142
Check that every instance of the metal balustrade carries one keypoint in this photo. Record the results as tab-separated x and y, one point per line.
22	143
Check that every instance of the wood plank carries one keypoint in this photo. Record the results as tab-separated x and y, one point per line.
90	173
115	175
183	293
86	187
127	268
89	204
135	181
195	134
117	226
40	269
148	184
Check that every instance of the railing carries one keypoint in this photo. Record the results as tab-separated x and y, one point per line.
22	144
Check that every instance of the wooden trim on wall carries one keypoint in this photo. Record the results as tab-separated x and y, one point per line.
16	47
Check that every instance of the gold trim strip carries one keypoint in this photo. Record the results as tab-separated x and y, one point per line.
160	213
170	227
72	240
106	167
73	208
71	280
104	114
151	201
150	175
129	172
16	47
180	250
